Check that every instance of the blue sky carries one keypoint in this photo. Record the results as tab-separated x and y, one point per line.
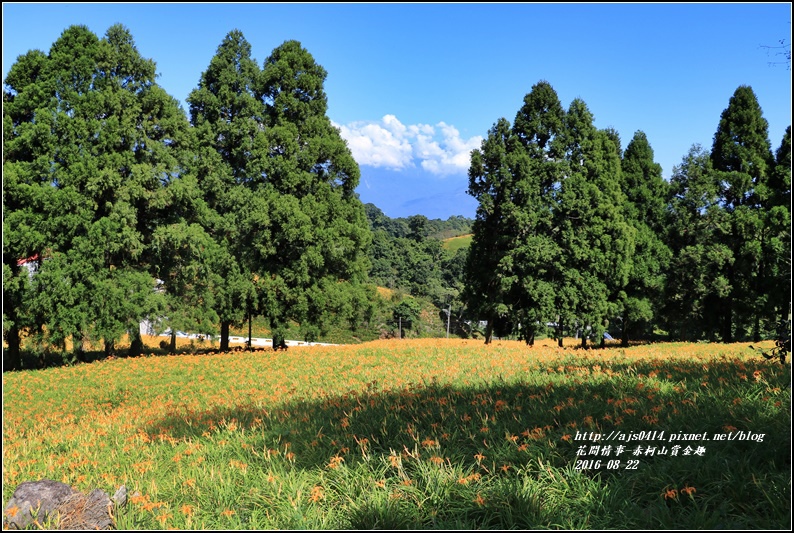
414	87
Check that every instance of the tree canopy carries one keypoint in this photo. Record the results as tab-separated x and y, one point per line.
575	234
120	207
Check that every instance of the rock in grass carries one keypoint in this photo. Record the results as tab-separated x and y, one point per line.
55	504
35	501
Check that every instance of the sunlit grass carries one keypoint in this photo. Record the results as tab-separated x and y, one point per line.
446	434
453	244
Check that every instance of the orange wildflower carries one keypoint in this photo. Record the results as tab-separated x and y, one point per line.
317	494
688	490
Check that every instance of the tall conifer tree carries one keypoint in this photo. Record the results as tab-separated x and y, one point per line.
312	263
695	281
490	275
645	207
111	140
538	125
229	125
596	240
742	158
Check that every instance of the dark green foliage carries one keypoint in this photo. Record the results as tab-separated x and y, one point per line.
695	282
645	208
775	284
228	121
571	231
489	276
406	312
742	160
93	144
598	240
415	261
314	262
551	242
729	231
116	210
107	187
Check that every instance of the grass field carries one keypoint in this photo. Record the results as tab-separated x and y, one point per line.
423	434
454	243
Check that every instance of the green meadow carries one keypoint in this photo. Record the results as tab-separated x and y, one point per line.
416	434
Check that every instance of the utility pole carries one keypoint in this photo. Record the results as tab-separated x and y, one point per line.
449	313
249	329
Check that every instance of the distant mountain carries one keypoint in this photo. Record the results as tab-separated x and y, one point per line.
410	192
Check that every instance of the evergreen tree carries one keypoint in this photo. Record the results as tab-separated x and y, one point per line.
776	238
229	124
538	125
489	275
695	281
591	228
312	263
111	140
742	158
646	192
26	190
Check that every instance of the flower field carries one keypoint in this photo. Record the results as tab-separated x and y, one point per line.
423	434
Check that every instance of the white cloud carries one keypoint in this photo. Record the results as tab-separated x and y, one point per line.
389	143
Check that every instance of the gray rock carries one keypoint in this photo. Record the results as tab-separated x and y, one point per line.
59	505
35	501
120	498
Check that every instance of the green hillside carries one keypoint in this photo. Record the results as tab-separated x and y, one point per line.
455	243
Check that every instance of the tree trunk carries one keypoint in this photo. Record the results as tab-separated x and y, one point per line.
78	348
559	332
624	331
249	330
109	345
12	359
530	337
279	342
727	324
172	346
136	343
225	324
489	332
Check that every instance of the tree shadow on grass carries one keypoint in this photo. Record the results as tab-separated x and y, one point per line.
518	442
